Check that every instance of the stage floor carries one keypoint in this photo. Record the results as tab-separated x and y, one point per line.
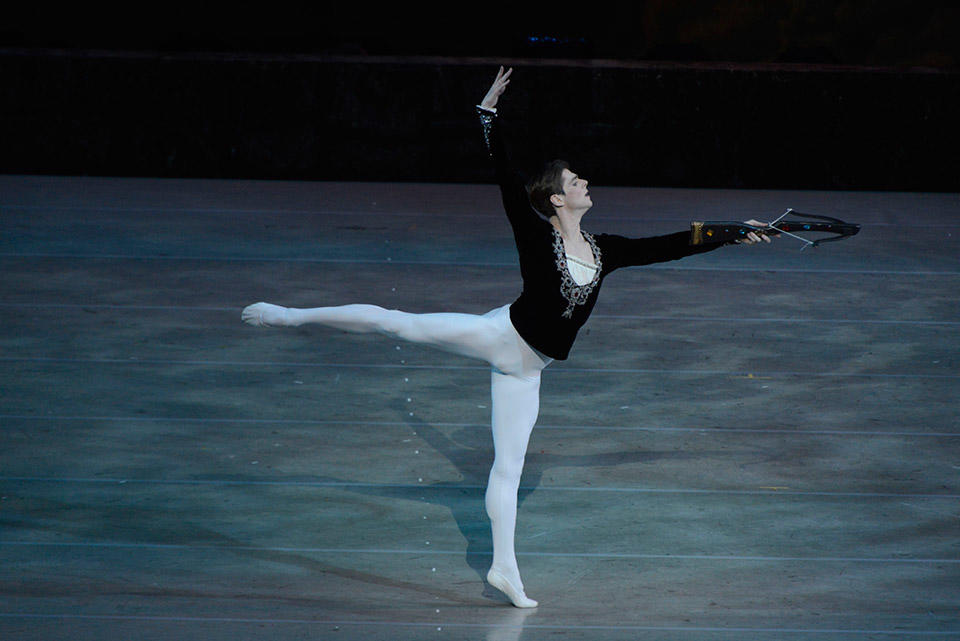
755	443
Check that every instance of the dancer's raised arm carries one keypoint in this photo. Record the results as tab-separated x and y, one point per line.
512	189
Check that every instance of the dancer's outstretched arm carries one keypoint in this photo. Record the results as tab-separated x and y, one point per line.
627	252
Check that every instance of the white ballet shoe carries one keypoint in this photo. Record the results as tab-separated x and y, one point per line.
515	594
264	315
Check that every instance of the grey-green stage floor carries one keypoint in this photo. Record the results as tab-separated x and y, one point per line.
755	443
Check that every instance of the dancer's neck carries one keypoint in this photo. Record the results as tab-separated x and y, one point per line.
569	228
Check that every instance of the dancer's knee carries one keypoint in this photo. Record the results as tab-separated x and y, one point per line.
394	323
507	469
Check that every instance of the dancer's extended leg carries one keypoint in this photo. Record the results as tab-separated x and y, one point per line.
470	335
516	402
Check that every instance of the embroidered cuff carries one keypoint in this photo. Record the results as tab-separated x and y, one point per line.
486	119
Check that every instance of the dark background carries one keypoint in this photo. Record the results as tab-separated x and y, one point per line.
842	95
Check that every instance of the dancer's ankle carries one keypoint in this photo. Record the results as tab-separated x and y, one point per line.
293	317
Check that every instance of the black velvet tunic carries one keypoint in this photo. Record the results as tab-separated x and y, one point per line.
552	308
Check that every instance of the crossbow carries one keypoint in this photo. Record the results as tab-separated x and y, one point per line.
726	231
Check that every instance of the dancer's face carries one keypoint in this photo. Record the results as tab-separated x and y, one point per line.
575	194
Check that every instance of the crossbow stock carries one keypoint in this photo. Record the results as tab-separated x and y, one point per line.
726	231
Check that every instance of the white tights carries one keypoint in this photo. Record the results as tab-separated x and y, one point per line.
514	386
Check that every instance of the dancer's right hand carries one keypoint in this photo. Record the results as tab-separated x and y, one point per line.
497	88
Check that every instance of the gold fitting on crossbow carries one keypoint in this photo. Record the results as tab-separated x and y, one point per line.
696	233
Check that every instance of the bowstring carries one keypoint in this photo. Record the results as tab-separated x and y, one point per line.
772	225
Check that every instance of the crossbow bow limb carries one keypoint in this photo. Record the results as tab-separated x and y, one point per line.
726	231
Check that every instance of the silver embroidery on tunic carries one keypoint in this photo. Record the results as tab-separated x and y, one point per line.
486	119
573	293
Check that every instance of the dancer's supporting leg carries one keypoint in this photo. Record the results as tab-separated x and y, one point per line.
516	402
515	392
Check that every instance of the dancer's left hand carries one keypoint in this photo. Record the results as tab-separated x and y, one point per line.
755	237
